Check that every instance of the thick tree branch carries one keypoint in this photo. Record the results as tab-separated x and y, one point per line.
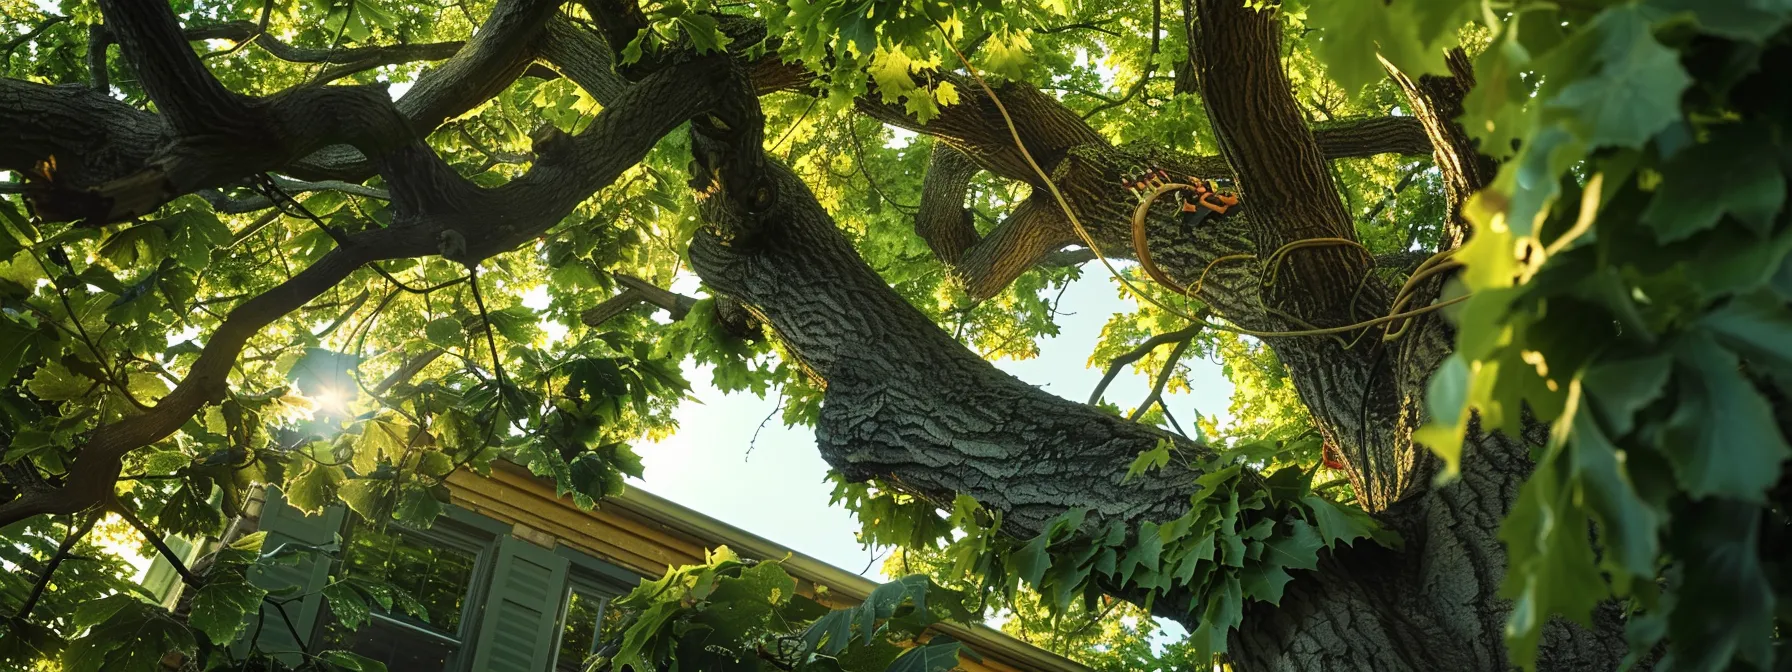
1371	136
1280	167
901	393
1436	103
139	167
192	101
906	404
637	291
1326	281
1026	237
943	221
224	203
348	60
437	212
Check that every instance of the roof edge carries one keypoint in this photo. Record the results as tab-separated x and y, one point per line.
678	517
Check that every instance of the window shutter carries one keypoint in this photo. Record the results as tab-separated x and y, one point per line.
520	622
309	574
161	579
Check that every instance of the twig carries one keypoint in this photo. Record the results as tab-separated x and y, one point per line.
1157	389
1153	343
1157	20
1394	193
486	317
768	418
186	575
62	553
1171	418
22	40
283	200
858	151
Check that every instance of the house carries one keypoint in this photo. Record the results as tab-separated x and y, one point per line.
515	579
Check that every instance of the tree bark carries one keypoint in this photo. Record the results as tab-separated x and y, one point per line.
903	401
906	404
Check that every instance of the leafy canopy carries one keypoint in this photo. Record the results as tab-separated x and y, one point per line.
1628	277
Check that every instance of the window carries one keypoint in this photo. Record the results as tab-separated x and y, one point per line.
438	567
491	601
588	623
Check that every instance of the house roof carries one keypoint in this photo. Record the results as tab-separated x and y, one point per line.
624	514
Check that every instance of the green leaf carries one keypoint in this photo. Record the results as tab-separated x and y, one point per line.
366	496
1264	581
1621	387
939	654
1550	567
94	612
1722	437
1031	561
1636	91
434	464
445	331
1750	20
830	633
1727	602
383	439
1297	548
133	638
194	233
354	662
517	323
221	607
347	604
315	488
18	342
416	505
1737	172
54	382
1627	525
1337	523
645	631
1357	34
1145	553
189	511
1156	458
1756	326
1222	610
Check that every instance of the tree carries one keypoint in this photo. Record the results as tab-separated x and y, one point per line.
1538	319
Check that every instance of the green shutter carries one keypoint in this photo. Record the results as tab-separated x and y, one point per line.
161	579
309	574
520	622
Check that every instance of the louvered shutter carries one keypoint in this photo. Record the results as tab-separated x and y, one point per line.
521	617
285	524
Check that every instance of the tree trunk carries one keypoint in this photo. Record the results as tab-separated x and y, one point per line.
907	404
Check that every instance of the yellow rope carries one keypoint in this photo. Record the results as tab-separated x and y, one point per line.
1089	241
1275	259
1203	279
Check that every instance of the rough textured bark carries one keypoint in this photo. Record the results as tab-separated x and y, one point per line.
903	401
907	404
1436	103
436	212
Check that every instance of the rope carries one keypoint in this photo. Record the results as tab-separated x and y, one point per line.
1138	225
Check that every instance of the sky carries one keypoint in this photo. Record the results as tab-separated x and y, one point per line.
775	487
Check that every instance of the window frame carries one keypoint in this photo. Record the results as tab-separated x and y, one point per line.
595	578
456	529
